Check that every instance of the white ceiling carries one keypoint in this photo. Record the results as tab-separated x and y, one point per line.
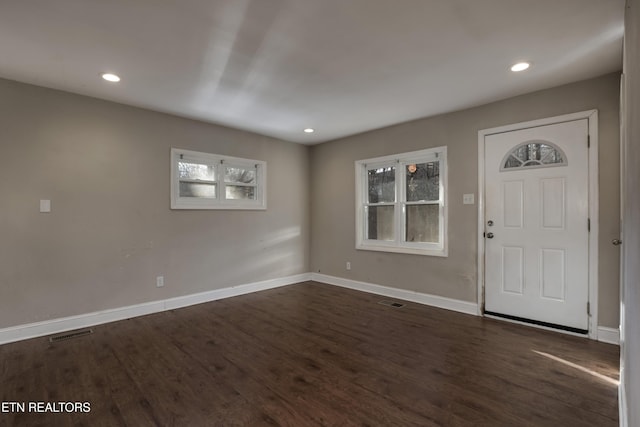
276	67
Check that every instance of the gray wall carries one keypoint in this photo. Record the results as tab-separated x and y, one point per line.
333	188
630	346
105	168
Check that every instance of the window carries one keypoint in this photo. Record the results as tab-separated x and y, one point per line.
400	203
210	181
534	154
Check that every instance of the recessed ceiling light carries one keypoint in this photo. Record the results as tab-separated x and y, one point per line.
309	130
520	66
111	77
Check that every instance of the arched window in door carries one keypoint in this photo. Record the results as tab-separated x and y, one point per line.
534	154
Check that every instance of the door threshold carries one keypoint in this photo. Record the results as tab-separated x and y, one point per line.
544	325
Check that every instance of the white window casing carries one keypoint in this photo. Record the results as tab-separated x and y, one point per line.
211	181
396	206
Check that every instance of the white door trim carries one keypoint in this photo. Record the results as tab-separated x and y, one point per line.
592	117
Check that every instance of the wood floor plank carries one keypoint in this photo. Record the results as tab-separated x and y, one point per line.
507	382
342	366
303	377
391	358
314	355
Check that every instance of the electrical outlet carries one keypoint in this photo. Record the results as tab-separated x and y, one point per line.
160	281
348	265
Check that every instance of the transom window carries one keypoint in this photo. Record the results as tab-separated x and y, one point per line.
534	154
211	181
401	203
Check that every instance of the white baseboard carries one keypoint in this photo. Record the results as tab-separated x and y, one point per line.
403	294
609	335
48	327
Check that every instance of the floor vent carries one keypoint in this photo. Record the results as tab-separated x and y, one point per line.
69	335
391	303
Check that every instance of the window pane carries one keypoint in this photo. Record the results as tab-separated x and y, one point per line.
382	185
196	171
522	153
423	181
201	190
380	224
423	223
550	155
240	175
239	192
512	162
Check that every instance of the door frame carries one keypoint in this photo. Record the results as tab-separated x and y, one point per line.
593	191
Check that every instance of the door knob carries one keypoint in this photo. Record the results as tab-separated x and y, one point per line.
489	235
616	242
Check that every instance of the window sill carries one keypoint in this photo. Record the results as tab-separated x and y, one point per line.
402	250
218	206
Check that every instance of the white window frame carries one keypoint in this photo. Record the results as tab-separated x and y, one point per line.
400	162
219	162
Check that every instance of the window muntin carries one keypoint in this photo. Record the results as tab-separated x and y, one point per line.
534	154
210	181
401	203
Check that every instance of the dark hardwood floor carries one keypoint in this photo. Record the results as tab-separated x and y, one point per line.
311	355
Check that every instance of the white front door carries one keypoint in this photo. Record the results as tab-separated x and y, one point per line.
536	213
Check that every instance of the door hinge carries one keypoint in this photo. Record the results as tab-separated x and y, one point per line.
588	308
589	224
588	141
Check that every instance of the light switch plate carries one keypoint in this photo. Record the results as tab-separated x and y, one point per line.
468	199
45	206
